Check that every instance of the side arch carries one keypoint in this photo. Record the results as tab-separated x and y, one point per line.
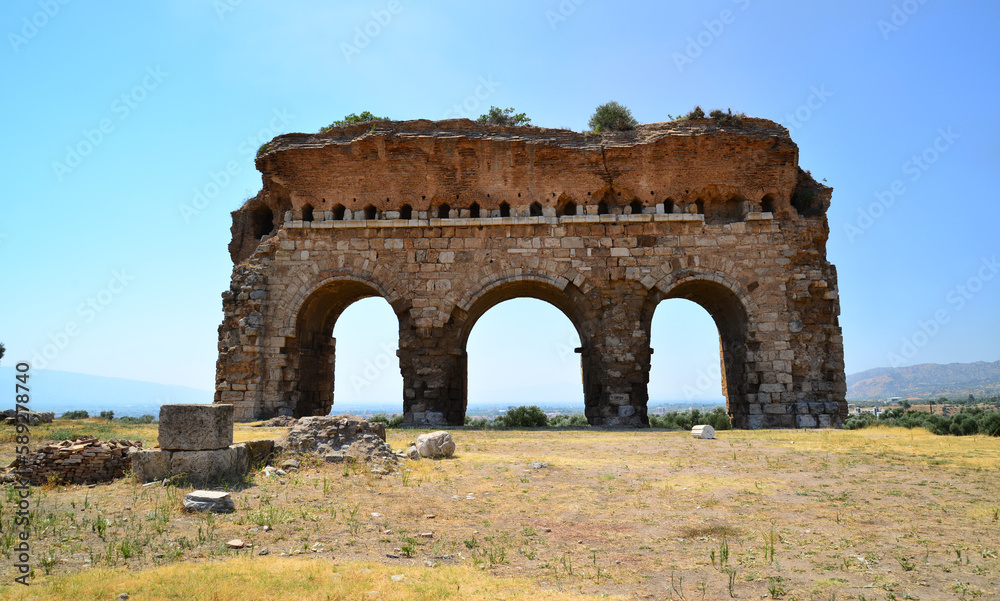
733	311
310	349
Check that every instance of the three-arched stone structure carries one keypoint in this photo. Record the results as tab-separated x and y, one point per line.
446	219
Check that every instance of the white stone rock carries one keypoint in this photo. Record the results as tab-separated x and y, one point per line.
436	444
703	431
209	500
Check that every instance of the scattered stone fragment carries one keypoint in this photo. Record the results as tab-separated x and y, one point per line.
435	444
264	551
703	431
426	535
236	543
122	597
430	516
290	464
209	500
397	578
539	465
341	439
412	453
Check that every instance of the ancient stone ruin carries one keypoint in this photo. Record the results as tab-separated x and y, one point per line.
82	460
196	441
446	219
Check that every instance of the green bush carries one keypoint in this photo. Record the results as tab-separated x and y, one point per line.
968	421
727	118
351	119
480	422
685	420
506	116
75	415
530	416
696	113
390	422
108	415
128	419
575	420
612	116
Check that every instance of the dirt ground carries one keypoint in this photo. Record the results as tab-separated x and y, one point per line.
871	514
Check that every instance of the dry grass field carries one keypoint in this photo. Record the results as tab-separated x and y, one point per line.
546	514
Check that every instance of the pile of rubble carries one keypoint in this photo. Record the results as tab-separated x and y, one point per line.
337	439
32	418
82	460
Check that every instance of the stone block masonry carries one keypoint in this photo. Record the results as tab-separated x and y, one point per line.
195	427
446	219
82	460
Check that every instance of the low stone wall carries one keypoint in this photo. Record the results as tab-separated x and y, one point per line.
82	460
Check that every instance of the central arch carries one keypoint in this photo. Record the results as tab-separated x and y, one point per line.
725	303
560	294
313	349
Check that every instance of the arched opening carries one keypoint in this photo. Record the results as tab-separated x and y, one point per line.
767	204
568	209
602	208
668	205
370	212
726	211
338	212
504	209
700	206
444	211
406	212
263	221
636	207
535	210
307	213
723	351
522	352
367	338
366	375
474	210
685	370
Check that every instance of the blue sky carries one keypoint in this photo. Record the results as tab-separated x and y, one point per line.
119	115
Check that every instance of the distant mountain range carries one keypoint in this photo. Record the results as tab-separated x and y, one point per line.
926	381
61	391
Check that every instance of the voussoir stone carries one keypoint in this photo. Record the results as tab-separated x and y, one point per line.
195	427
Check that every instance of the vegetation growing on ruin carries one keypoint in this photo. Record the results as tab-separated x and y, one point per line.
351	119
612	116
507	116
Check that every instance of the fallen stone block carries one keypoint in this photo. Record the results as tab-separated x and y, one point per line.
209	500
703	431
195	427
436	444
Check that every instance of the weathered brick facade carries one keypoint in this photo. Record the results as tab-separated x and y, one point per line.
446	219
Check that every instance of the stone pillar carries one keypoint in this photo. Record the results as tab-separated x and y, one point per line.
433	366
239	370
616	363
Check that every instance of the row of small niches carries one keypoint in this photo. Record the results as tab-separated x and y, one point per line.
581	211
473	221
